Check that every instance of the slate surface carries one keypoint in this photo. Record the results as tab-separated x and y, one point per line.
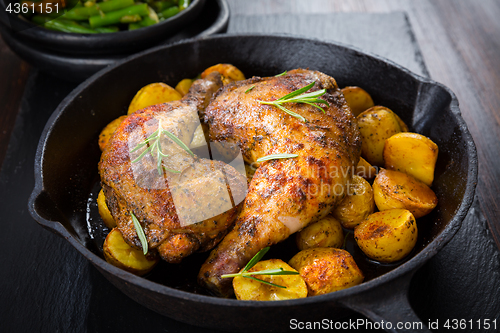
46	286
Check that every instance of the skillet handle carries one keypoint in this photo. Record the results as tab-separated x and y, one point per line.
388	304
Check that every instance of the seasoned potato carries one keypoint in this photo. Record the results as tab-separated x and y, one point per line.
152	94
365	169
251	290
357	205
394	189
118	253
327	232
229	73
326	270
387	236
108	131
183	86
413	154
358	99
376	125
106	216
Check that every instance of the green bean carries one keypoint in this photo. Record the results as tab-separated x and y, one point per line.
83	13
62	25
130	19
101	29
115	16
134	26
169	12
162	5
183	4
147	21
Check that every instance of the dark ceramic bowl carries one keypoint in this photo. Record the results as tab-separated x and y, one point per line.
71	67
67	157
96	44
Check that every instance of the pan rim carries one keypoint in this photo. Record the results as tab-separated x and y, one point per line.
410	266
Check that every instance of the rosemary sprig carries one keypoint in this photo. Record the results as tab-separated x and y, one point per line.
281	74
140	233
299	96
249	89
154	147
275	156
249	275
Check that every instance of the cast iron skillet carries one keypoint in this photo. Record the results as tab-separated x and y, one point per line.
67	157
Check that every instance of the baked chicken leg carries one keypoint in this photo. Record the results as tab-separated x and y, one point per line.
285	195
183	203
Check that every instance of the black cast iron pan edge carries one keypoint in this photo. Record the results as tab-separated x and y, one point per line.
383	298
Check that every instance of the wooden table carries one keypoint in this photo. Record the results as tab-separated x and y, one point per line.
460	43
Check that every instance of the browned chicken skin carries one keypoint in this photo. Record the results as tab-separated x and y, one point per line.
169	204
285	195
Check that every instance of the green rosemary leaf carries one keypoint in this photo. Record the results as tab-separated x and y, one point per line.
178	141
291	113
143	143
274	271
249	89
312	94
297	92
275	156
269	283
281	74
140	233
256	258
142	154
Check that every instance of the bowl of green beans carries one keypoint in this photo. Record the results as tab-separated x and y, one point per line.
97	26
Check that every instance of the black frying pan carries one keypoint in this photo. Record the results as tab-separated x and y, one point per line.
67	157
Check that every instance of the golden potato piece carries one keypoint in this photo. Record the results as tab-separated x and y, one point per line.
152	94
252	290
326	270
118	253
394	189
387	236
413	154
376	125
358	99
326	232
229	73
183	86
106	216
357	205
108	131
365	169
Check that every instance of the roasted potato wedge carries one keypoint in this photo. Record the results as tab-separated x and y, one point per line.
108	131
183	86
387	236
357	204
365	169
327	232
326	270
152	94
229	73
376	125
118	253
413	154
252	290
106	216
358	99
394	189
